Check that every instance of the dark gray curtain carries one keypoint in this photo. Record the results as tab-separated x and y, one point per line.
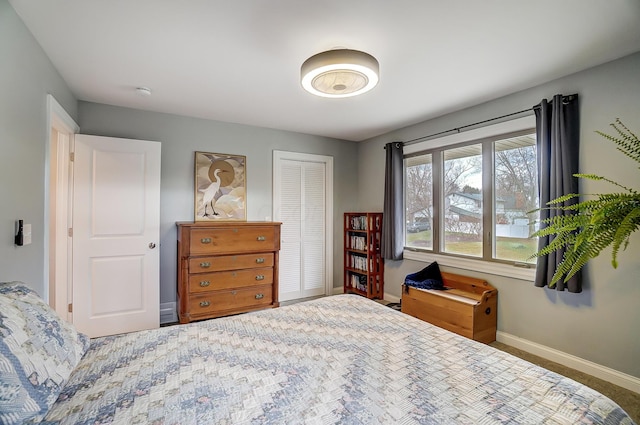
393	216
558	142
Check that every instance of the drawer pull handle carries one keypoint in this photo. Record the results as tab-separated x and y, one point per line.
234	292
205	303
259	296
205	265
205	283
205	240
260	277
260	260
261	238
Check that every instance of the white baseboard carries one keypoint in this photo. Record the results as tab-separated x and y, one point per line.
168	313
610	375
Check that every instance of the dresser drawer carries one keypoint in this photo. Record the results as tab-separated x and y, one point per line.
231	299
230	279
230	262
233	239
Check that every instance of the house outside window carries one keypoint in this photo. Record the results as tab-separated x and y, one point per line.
474	199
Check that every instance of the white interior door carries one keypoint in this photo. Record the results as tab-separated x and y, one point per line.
116	221
301	203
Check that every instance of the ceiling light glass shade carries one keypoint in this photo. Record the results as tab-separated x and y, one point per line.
339	73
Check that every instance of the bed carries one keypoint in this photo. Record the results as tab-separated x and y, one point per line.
336	360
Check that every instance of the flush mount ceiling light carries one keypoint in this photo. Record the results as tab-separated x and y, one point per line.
339	73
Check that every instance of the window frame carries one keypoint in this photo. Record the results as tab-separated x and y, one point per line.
486	136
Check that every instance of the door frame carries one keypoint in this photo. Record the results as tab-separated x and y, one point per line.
278	156
57	193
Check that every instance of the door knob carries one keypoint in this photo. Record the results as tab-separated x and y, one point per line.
152	245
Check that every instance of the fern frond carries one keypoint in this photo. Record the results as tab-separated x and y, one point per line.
626	140
599	178
563	198
554	245
561	224
628	225
618	122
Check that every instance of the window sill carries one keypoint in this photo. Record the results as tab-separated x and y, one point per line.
500	269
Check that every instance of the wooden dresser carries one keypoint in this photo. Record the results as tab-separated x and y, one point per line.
226	268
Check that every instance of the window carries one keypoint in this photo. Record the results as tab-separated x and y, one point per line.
462	200
419	201
515	196
474	199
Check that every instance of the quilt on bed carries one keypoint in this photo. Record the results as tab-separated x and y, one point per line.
341	359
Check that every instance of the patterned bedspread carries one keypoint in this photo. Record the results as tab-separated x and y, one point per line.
337	360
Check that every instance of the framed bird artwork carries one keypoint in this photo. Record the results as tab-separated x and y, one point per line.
220	187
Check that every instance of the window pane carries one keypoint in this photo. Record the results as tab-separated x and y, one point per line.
419	201
463	200
516	194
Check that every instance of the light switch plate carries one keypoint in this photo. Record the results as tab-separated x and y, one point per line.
27	234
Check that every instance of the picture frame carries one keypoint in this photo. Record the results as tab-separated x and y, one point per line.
220	187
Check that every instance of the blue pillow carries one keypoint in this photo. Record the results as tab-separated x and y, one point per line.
38	352
427	278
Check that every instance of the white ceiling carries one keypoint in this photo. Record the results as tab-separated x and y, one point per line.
239	60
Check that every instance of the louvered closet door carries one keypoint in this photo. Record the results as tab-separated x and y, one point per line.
313	230
302	213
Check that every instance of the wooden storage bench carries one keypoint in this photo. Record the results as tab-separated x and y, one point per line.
469	308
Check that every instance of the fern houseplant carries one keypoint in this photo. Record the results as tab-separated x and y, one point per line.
598	221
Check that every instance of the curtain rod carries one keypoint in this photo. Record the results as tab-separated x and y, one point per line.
457	129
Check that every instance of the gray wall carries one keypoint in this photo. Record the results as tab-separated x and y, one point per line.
182	136
601	324
26	77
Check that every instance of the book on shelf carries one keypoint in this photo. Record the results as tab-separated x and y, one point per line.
358	282
358	222
358	242
357	262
